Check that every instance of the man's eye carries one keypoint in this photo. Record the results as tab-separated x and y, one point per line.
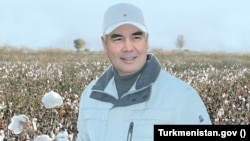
117	39
137	37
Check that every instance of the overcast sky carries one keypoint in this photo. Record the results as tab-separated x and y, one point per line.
207	25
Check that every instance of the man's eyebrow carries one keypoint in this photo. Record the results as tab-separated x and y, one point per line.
115	35
118	35
138	33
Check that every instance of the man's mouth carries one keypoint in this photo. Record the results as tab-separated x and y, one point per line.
128	59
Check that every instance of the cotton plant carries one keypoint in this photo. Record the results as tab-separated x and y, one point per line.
19	123
52	100
2	106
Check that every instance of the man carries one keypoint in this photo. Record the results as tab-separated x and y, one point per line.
134	93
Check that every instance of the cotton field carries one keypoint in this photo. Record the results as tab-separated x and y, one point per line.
40	91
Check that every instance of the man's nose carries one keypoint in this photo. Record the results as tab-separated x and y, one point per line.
128	45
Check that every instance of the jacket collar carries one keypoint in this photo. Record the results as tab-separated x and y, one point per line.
148	75
142	87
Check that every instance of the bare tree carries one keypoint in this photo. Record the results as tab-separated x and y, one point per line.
180	41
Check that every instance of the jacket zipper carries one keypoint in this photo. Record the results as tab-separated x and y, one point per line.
130	131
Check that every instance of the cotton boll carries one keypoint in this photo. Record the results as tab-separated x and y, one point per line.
52	100
43	138
52	135
18	123
2	135
62	136
34	121
2	106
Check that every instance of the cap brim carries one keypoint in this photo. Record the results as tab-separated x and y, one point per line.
114	26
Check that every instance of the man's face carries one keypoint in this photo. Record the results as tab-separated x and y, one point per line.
126	48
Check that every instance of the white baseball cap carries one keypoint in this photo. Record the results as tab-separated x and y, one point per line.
120	14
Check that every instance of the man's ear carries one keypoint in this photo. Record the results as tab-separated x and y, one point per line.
147	38
104	43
